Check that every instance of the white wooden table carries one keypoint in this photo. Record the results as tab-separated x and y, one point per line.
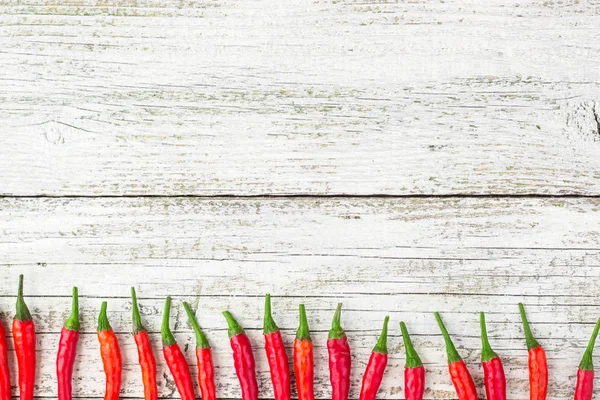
400	157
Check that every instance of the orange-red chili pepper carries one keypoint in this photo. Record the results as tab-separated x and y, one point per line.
111	356
276	355
174	357
585	374
493	371
206	369
5	391
243	359
376	366
461	378
144	349
339	358
538	366
67	348
414	372
304	364
23	331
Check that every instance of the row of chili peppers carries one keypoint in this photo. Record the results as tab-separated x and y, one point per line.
303	363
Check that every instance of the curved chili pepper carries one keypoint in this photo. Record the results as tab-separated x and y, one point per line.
206	369
175	359
585	374
275	349
304	364
493	371
339	358
414	372
376	366
243	360
23	331
5	390
461	378
111	356
67	347
538	366
144	349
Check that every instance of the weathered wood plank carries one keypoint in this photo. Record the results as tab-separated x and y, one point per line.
323	97
400	257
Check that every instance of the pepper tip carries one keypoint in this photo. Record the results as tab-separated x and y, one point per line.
303	332
167	336
234	328
269	325
103	323
336	331
381	346
20	291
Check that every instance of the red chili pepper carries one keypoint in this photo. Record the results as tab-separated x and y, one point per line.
23	331
67	347
585	374
175	359
493	371
144	348
414	372
376	366
206	369
275	349
538	366
111	356
5	391
339	358
304	364
243	360
461	378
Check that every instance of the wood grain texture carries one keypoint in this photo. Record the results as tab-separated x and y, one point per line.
306	97
263	97
400	257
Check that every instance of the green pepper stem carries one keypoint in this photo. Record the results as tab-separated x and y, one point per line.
531	342
269	325
167	336
303	332
103	324
586	363
486	350
136	319
412	358
201	340
72	323
234	328
381	346
336	331
22	313
453	355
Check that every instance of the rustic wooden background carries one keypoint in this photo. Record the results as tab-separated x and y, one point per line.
400	157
